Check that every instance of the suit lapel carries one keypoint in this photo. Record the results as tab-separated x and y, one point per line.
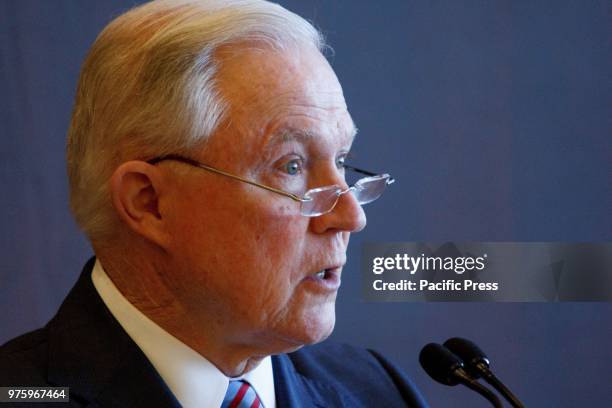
294	390
91	353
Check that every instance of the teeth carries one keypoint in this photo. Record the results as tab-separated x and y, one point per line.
320	275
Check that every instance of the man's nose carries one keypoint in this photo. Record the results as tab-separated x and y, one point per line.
347	215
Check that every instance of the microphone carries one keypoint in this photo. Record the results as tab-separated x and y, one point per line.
477	365
446	368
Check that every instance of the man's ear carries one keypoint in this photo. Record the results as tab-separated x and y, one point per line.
136	188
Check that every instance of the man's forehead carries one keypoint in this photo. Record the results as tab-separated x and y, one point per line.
253	75
280	97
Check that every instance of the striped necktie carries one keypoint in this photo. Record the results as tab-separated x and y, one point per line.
240	394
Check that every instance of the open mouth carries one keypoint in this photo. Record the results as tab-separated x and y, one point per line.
328	274
324	274
326	279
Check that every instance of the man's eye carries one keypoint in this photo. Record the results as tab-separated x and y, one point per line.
340	161
293	167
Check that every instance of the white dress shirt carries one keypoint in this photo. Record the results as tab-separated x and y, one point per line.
194	381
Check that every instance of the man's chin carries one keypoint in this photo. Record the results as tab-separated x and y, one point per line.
310	331
318	329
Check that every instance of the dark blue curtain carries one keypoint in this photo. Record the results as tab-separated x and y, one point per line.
494	117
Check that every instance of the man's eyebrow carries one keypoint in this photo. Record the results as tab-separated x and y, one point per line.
290	134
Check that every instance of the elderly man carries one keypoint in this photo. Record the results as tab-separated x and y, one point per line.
206	158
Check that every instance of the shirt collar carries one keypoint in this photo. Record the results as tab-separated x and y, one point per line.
194	381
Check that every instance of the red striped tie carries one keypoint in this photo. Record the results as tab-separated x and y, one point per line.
240	394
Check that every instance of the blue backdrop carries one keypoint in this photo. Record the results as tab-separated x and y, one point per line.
494	116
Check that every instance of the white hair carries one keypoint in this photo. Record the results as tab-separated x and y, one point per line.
147	88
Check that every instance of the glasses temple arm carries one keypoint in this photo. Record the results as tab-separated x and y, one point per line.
194	163
390	180
367	173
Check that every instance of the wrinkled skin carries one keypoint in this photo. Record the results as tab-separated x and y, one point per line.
238	268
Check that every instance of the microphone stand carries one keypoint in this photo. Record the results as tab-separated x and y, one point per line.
490	378
474	385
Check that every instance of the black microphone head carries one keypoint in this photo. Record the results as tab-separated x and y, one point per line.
440	363
469	352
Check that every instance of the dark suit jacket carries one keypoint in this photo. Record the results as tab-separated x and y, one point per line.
83	347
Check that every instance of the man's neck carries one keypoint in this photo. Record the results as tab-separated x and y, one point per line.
140	283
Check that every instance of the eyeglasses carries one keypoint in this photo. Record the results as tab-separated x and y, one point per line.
316	201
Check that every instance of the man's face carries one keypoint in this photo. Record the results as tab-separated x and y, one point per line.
244	258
